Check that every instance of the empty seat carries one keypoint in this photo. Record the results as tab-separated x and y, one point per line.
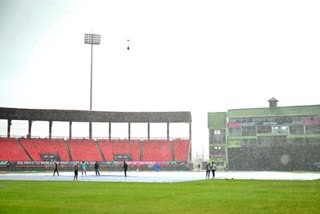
106	149
10	150
156	150
84	150
181	149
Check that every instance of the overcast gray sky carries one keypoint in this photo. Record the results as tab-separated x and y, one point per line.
186	55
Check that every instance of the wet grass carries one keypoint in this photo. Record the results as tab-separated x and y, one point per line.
207	196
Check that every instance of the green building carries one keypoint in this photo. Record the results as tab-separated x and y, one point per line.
273	138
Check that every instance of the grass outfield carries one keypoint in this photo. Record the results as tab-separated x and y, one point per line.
206	196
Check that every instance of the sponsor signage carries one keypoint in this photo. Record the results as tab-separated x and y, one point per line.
49	156
233	124
311	121
122	157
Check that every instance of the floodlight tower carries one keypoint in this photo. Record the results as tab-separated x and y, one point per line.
91	39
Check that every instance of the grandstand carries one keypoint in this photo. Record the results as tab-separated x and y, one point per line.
273	138
171	153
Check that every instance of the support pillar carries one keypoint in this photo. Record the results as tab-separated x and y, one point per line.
129	131
168	131
70	130
90	130
190	131
29	128
190	139
9	128
50	129
109	130
148	131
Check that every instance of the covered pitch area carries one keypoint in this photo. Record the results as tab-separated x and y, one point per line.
161	176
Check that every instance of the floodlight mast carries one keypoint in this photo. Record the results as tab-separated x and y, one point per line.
91	39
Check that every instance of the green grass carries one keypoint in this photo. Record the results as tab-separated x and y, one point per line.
207	196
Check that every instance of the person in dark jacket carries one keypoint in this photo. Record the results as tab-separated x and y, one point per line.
96	168
125	168
55	169
213	169
76	168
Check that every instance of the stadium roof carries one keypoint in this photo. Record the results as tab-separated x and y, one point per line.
94	116
275	111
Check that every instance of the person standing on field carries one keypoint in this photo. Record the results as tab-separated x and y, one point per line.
96	168
55	169
84	168
125	168
76	168
208	170
213	169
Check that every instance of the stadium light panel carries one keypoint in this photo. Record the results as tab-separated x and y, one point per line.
92	39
